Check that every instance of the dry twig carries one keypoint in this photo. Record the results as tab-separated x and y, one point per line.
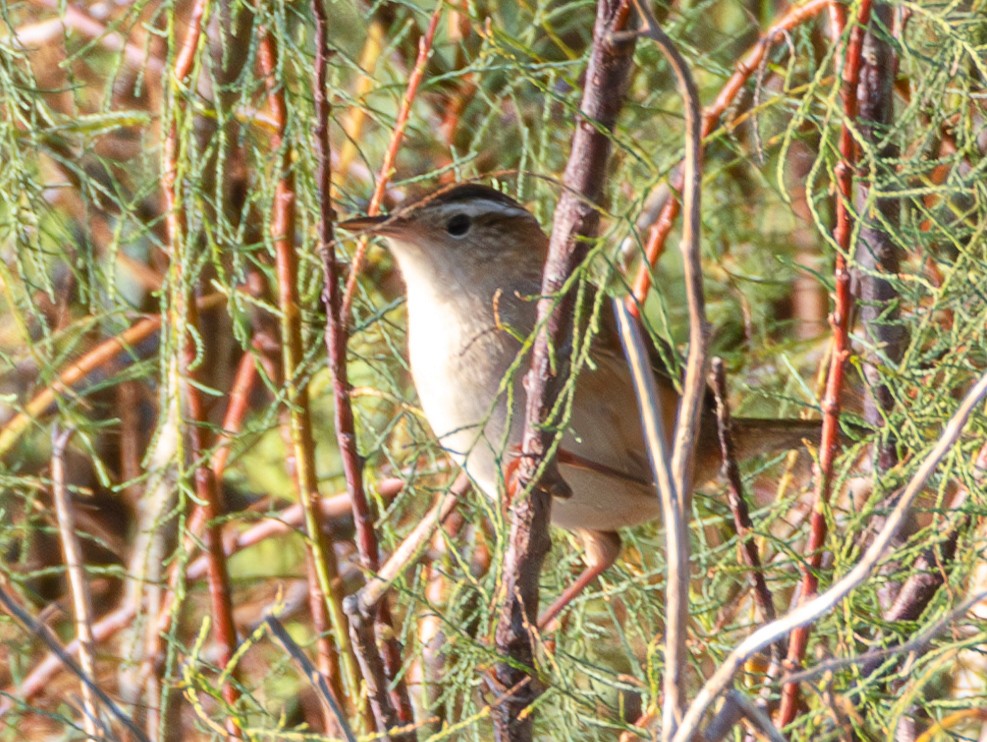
323	570
694	385
78	585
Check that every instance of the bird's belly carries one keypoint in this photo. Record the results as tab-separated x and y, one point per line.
468	415
475	428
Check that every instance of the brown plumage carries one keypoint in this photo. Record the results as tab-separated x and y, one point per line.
472	260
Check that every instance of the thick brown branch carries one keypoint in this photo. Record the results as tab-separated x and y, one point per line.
878	256
576	223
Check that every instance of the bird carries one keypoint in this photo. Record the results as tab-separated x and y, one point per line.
472	258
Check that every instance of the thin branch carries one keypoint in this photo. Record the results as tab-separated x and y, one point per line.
389	698
316	678
391	154
78	585
575	225
676	526
839	322
29	623
737	706
821	604
738	502
873	659
928	572
185	320
323	570
694	386
406	555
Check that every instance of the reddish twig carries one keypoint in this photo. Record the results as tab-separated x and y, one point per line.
79	370
236	411
693	388
391	155
244	382
839	321
183	305
388	694
323	571
576	223
743	70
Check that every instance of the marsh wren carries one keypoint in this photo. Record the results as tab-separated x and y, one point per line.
472	260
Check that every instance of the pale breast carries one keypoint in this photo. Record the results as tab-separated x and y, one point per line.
459	371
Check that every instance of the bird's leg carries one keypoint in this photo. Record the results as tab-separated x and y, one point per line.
602	548
510	478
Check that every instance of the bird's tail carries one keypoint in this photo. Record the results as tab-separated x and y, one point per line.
754	436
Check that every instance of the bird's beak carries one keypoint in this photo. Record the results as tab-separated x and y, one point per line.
365	223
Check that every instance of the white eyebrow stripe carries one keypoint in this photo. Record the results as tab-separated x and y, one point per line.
475	207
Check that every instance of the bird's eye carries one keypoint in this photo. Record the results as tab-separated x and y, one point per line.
458	225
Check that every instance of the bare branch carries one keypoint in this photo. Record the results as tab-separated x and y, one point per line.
840	323
389	711
189	383
391	155
694	386
78	585
405	556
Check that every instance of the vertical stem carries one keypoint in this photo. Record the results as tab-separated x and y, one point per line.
877	255
78	585
576	223
839	321
390	708
679	490
184	316
322	559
